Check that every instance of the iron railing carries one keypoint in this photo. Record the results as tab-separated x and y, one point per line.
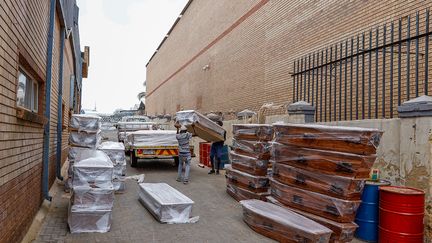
368	75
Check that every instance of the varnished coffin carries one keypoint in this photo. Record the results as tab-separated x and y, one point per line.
342	232
239	193
336	186
255	132
247	181
325	161
251	148
319	204
248	164
282	224
88	198
335	138
201	126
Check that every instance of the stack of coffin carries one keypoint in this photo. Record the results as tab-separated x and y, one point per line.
84	135
116	152
281	224
247	177
319	172
92	200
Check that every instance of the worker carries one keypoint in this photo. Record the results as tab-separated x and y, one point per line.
183	138
216	152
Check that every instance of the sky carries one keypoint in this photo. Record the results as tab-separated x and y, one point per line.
122	35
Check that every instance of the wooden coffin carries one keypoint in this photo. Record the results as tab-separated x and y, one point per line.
239	193
201	126
282	224
247	181
248	164
335	138
254	132
85	123
165	203
92	198
328	162
342	232
336	209
89	221
335	186
255	149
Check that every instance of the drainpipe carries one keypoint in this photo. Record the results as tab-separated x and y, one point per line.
47	113
60	108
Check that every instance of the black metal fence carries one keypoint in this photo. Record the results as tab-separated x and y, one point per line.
368	75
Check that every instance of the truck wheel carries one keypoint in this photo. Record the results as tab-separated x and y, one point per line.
176	161
134	159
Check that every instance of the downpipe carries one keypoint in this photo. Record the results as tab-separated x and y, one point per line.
47	112
60	108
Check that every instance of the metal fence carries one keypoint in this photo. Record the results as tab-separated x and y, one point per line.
368	75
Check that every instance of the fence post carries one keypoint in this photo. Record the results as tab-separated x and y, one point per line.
301	112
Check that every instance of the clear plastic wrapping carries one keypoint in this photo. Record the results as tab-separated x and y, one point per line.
119	170
74	153
247	181
335	138
152	138
282	224
201	126
251	148
254	132
114	150
89	221
239	193
248	164
342	232
85	123
165	203
89	198
135	126
119	185
319	204
336	186
85	140
329	162
93	168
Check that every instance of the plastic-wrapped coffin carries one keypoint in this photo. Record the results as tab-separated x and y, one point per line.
319	204
88	221
85	123
282	224
328	162
239	193
253	132
165	203
152	138
247	181
84	139
119	185
336	186
201	126
342	232
93	168
255	149
335	138
248	164
114	150
88	198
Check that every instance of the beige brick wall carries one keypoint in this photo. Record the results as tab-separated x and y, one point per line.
252	64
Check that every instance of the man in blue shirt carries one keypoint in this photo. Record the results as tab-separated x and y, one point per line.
216	152
183	138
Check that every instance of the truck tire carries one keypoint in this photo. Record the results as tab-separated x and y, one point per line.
176	161
134	159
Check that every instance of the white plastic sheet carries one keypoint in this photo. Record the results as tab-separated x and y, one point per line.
152	138
85	123
89	221
93	168
84	197
114	150
166	203
85	140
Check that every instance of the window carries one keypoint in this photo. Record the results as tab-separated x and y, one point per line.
28	92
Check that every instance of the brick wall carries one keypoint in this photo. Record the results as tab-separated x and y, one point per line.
252	64
23	42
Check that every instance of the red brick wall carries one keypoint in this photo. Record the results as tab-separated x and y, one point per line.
252	64
23	31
